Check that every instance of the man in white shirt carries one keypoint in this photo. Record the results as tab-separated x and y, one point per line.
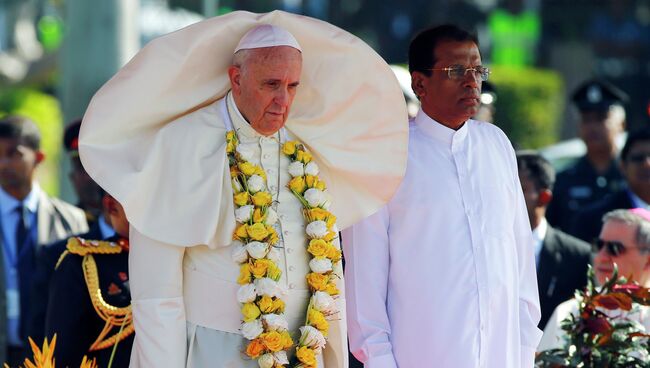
167	159
625	241
444	274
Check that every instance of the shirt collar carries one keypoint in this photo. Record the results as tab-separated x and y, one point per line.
241	126
438	131
8	203
637	201
539	233
104	228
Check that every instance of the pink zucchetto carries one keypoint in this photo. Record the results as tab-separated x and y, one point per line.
267	35
645	214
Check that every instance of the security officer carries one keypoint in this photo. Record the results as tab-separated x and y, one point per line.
90	301
596	174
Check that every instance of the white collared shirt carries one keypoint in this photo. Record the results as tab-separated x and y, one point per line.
638	202
444	275
539	233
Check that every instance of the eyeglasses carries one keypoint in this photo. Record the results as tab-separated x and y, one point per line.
458	72
638	158
613	248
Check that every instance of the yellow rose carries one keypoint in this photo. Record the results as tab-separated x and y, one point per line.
230	136
262	199
316	214
230	147
257	231
287	341
259	267
255	348
289	148
317	281
317	247
320	185
274	272
266	304
310	180
331	220
330	236
258	215
241	232
306	356
333	253
278	306
233	171
244	274
259	171
331	289
250	311
272	340
297	184
317	319
273	236
242	199
304	157
246	168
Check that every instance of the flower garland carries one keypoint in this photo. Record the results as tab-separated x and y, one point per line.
260	293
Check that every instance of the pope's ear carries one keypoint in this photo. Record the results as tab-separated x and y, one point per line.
234	74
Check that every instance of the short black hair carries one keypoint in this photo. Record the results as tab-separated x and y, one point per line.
21	128
541	171
637	135
423	45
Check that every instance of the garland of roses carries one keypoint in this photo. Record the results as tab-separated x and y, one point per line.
262	308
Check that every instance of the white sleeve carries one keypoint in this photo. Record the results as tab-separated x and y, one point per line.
529	308
366	251
156	282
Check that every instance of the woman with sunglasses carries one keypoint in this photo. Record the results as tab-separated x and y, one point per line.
625	241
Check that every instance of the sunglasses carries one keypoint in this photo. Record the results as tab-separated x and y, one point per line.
613	248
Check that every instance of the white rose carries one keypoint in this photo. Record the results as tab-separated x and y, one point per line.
243	213
311	337
255	183
311	168
273	255
320	265
337	268
251	330
296	168
281	357
257	249
327	200
266	361
267	286
245	152
324	302
239	253
316	229
314	197
276	322
271	216
236	186
246	293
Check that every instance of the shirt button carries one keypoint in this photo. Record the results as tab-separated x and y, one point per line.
286	232
289	250
291	268
281	217
266	155
292	286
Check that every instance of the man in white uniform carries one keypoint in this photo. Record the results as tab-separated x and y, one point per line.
444	274
177	99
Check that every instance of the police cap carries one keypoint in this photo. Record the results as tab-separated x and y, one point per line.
597	94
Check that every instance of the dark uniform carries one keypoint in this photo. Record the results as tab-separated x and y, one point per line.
90	304
581	185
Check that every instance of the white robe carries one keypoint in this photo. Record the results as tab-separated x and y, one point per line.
444	274
184	298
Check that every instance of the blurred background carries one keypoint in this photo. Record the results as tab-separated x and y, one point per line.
54	54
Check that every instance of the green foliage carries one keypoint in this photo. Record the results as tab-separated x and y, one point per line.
529	105
44	109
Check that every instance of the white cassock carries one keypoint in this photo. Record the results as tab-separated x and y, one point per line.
444	274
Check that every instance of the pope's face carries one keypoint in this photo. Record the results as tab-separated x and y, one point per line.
264	86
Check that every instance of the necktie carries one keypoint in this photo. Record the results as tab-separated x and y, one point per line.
21	228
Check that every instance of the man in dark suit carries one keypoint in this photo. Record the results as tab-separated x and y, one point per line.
562	260
635	165
596	174
29	219
87	191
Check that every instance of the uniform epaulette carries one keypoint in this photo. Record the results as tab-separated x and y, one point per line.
84	247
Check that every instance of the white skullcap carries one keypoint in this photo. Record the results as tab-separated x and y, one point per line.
267	35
